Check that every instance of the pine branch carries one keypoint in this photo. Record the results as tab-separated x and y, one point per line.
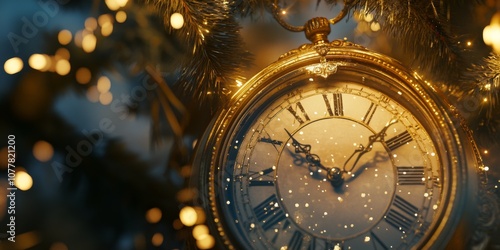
218	53
479	95
421	29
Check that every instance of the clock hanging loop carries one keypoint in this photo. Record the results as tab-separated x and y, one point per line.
316	29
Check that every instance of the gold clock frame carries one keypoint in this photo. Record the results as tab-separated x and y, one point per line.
455	225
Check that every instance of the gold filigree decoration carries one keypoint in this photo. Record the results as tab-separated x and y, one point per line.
323	69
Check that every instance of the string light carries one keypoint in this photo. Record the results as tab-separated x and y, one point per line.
13	65
177	20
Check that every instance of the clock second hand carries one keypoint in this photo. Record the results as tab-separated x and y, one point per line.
314	160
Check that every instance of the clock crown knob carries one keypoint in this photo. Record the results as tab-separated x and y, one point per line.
317	30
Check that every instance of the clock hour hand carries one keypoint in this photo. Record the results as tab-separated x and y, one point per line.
333	174
312	159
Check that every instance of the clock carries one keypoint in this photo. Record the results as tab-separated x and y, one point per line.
337	147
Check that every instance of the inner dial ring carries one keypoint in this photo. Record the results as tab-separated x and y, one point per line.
312	202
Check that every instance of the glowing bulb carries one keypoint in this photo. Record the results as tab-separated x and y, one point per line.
368	17
13	65
375	26
177	20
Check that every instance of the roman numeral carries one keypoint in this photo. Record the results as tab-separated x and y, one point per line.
369	114
296	241
269	213
260	183
377	242
286	224
411	175
398	140
269	140
436	182
404	218
297	116
338	105
261	178
312	244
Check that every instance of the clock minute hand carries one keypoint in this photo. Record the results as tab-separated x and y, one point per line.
378	137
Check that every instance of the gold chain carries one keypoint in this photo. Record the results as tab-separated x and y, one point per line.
276	10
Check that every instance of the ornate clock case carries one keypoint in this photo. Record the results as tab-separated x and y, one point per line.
409	170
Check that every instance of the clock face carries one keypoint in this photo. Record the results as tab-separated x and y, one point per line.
329	163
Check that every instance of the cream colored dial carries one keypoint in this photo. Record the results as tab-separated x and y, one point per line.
279	158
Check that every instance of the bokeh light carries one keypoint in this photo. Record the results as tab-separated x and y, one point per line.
89	43
121	16
177	20
105	98
43	151
23	180
90	24
38	61
103	84
63	67
13	65
153	215
83	75
205	242
64	37
93	94
157	239
188	216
